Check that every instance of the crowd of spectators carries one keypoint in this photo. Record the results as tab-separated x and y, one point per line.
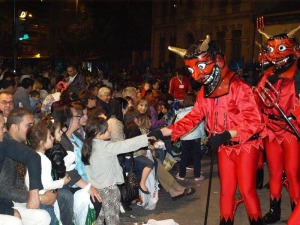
70	127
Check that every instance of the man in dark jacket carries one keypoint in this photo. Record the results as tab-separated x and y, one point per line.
77	81
17	151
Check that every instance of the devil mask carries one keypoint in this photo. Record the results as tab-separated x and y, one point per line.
205	62
282	51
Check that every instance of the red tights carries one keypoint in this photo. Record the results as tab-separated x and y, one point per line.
238	170
284	157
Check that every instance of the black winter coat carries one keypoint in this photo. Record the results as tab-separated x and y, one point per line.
56	155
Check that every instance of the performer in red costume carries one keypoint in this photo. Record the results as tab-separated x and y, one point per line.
233	121
281	144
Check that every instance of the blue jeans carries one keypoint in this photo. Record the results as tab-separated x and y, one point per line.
65	202
50	210
160	154
188	147
140	162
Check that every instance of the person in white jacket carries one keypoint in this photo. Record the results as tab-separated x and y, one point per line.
191	141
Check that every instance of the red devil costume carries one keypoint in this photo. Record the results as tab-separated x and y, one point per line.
233	121
281	144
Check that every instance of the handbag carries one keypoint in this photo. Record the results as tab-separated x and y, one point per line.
130	189
169	162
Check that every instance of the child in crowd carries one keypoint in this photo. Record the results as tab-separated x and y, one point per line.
145	87
190	142
35	104
40	139
62	160
165	113
99	154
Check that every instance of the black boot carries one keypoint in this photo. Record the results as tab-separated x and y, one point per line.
259	178
275	211
256	222
224	222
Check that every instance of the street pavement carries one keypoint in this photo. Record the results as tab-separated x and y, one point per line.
190	210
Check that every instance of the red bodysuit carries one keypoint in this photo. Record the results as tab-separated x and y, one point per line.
237	164
281	144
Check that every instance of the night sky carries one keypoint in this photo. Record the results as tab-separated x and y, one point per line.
127	23
118	26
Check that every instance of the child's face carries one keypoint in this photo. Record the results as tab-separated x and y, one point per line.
155	86
142	107
49	141
37	98
147	86
105	136
57	134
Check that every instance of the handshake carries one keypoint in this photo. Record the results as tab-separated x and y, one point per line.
214	141
155	135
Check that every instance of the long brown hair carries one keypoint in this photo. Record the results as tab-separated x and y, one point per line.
145	120
37	133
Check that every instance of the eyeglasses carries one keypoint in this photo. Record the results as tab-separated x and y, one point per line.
77	116
6	102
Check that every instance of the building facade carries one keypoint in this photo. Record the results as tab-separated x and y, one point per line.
231	22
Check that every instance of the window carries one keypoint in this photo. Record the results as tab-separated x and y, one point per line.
236	47
221	40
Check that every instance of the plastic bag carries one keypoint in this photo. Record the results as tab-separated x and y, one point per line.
91	216
83	208
169	162
57	213
161	222
149	201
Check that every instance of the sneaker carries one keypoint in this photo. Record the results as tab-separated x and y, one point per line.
199	178
179	178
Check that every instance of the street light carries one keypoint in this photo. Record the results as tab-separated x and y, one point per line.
19	31
23	15
21	23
